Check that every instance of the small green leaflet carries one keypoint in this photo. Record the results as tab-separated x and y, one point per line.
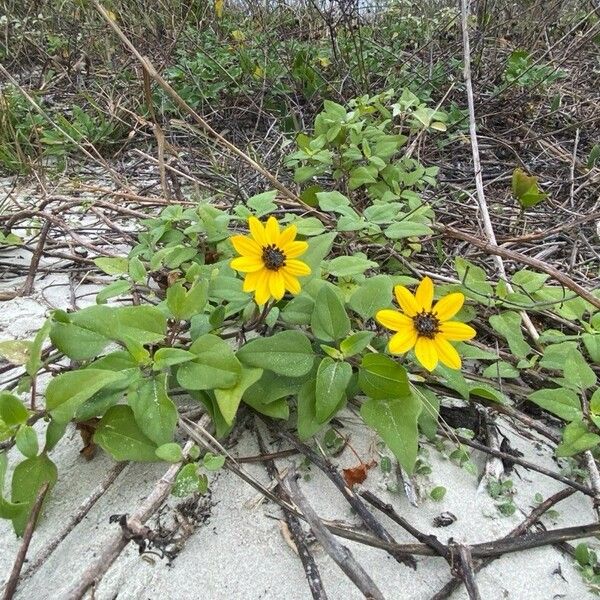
525	189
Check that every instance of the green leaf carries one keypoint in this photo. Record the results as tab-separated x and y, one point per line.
170	452
525	189
380	377
154	411
12	410
529	281
307	424
116	265
167	357
15	351
278	409
592	345
347	266
329	321
318	248
262	204
356	343
332	201
372	295
215	365
407	229
429	417
508	325
54	433
286	353
437	493
119	435
362	176
576	439
8	510
271	387
137	270
500	369
213	462
395	420
560	402
229	399
332	379
117	288
577	372
28	477
189	482
68	391
184	304
27	441
554	355
35	356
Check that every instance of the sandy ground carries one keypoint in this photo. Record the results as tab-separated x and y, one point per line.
240	553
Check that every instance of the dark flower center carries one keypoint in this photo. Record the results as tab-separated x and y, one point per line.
273	257
426	324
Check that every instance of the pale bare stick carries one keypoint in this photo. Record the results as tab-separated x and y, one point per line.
483	208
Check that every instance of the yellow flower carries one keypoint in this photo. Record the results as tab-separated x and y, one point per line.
269	257
428	330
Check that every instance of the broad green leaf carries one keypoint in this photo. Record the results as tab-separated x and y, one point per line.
307	424
184	304
560	402
577	372
362	176
229	399
213	462
298	310
286	353
68	391
356	343
395	420
500	369
529	281
576	438
262	204
454	380
347	266
329	321
12	410
429	417
28	477
137	270
54	433
154	411
330	390
372	295
380	377
554	355
112	290
119	435
508	325
407	229
318	248
35	356
271	387
167	357
208	399
15	351
170	452
114	265
8	510
525	189
189	482
592	345
278	409
332	201
215	365
27	441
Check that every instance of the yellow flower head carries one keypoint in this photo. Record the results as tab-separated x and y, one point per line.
428	330
269	260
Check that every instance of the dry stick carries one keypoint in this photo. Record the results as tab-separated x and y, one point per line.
524	463
357	504
487	222
74	520
152	72
311	569
13	580
540	265
466	569
340	554
97	569
537	512
27	288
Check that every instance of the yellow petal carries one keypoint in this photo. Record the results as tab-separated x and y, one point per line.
426	353
246	264
447	353
272	230
276	285
251	281
292	284
287	236
296	267
294	249
424	294
406	300
246	246
402	341
262	293
394	320
258	231
456	331
448	306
